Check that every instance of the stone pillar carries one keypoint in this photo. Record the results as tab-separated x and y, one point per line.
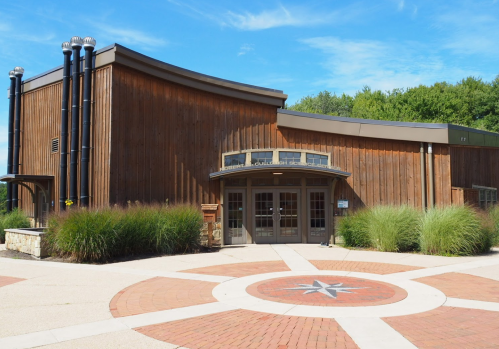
211	233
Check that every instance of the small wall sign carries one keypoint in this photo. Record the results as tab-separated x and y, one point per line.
342	203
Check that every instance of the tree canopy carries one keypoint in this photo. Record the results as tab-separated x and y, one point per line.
470	102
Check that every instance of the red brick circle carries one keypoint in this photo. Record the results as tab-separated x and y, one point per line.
369	292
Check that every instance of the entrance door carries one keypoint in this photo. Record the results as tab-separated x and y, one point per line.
235	217
317	224
276	215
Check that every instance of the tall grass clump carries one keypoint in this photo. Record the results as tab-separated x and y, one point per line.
13	220
100	234
494	217
394	229
354	229
84	235
453	230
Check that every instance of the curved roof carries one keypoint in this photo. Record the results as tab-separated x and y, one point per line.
120	54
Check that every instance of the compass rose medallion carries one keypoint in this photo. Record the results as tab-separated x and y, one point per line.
329	290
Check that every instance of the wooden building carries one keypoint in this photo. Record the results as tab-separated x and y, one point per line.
160	132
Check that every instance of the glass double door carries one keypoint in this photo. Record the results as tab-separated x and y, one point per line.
276	215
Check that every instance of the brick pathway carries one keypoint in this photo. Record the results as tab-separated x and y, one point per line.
247	329
363	267
464	286
369	292
161	293
7	280
449	328
241	269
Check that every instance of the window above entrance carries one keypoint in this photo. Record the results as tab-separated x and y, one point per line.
256	157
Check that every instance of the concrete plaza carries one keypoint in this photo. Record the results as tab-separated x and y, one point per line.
254	296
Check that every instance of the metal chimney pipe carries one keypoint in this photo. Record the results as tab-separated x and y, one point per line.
66	75
76	43
88	45
18	72
10	152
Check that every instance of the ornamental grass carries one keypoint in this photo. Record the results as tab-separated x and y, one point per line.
97	235
454	230
448	231
13	220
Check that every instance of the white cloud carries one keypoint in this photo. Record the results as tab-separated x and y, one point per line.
130	36
401	5
245	48
469	31
278	17
354	64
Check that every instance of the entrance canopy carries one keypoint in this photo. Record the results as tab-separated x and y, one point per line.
42	185
277	168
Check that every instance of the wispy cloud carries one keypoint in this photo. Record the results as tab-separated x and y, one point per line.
468	32
130	37
353	64
401	5
245	48
278	17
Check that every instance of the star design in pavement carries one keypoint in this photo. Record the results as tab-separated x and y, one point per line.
326	289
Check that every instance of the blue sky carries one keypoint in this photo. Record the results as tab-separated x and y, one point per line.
299	47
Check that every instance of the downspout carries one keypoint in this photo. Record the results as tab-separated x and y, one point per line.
10	152
76	43
18	72
431	204
66	76
423	176
331	213
88	45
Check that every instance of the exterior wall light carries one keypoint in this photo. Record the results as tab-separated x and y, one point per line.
277	173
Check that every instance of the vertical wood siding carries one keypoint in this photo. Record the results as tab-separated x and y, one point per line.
474	166
166	138
41	122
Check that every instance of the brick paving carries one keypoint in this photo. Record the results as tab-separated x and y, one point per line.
161	293
464	286
363	267
248	329
7	280
241	269
369	292
449	328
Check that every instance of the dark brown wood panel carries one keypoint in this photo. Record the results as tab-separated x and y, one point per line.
474	166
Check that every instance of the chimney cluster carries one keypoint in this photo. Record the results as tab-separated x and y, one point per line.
73	47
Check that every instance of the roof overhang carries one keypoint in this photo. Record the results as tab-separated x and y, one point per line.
119	54
395	130
14	178
244	170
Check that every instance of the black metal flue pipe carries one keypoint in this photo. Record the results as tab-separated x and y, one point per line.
88	45
66	76
10	151
76	43
18	72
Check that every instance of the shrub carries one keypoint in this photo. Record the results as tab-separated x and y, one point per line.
394	229
354	229
84	235
494	217
453	230
100	234
12	220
